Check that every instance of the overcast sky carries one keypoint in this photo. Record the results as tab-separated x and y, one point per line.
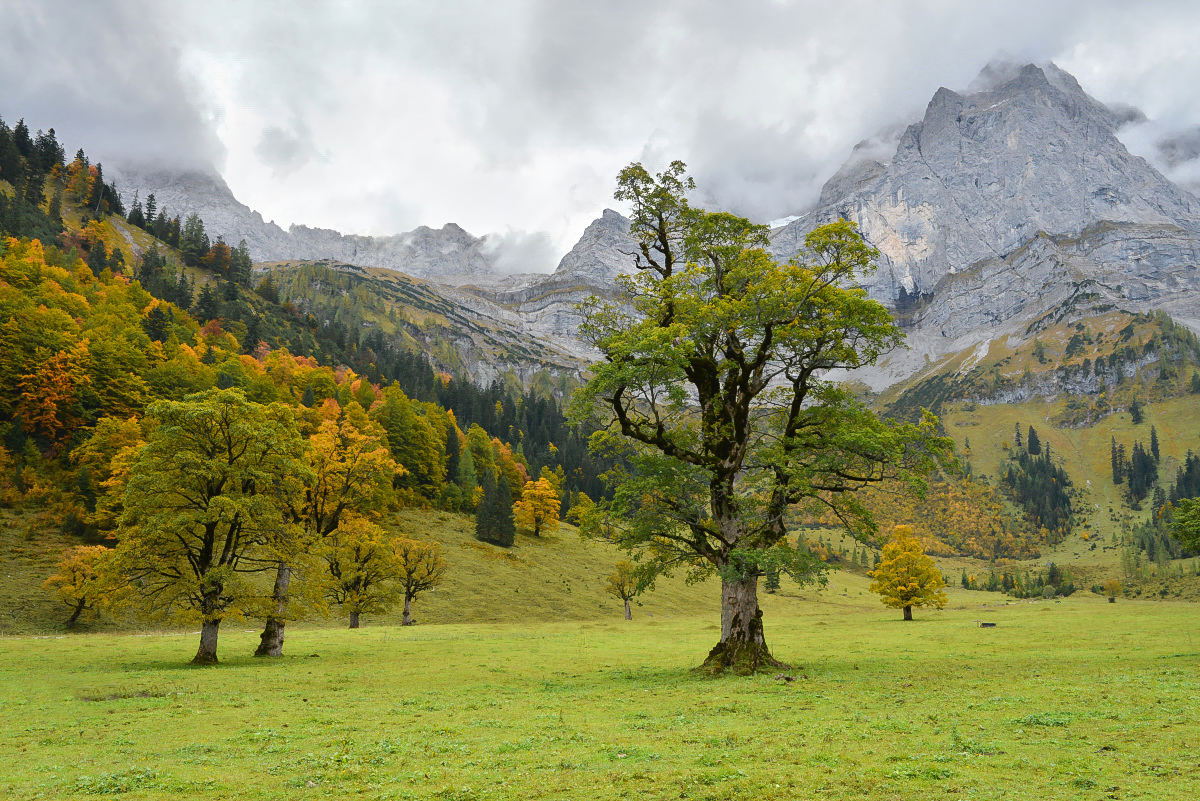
513	116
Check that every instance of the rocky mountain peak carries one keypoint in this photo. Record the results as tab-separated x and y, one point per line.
603	252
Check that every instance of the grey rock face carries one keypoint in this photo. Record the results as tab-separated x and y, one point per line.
1007	202
984	173
603	252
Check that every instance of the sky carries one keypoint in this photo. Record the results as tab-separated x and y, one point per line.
512	117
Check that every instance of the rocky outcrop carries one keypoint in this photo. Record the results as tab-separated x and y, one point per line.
983	174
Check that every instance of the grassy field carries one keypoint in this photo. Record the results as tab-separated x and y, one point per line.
1072	699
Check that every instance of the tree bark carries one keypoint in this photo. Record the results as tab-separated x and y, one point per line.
207	653
908	612
407	611
628	616
1111	600
743	648
271	640
354	620
75	615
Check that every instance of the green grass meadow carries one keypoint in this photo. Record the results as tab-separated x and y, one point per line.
1078	699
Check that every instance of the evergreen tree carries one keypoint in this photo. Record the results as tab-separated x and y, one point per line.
1017	434
494	520
1118	475
97	259
1154	443
193	241
208	304
240	265
1034	444
1137	412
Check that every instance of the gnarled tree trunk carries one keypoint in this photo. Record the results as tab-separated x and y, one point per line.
79	607
354	620
908	612
628	616
407	610
207	653
743	648
271	640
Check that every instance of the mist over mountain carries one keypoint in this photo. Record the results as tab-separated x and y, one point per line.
1001	203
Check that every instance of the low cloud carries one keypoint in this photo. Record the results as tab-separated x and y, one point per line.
521	252
371	117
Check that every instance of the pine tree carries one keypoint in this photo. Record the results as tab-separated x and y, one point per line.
1154	443
1118	475
1136	412
1035	444
494	521
1017	434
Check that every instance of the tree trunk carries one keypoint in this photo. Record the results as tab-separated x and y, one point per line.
207	654
908	612
407	610
75	615
354	620
628	616
742	649
1111	600
271	640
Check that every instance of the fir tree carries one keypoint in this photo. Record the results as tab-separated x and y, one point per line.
1154	443
1137	412
1034	444
494	521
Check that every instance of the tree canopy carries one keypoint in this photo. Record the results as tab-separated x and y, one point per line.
712	388
204	499
906	577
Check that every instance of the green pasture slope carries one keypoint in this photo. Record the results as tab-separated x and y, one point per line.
1078	699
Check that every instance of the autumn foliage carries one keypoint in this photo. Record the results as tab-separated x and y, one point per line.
906	577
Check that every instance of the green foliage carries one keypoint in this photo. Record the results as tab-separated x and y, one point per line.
716	450
204	501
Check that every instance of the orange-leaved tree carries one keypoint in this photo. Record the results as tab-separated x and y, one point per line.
906	577
84	583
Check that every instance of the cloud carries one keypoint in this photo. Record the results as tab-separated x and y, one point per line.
286	150
521	252
106	76
374	116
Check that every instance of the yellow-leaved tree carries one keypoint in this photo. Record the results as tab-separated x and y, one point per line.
537	511
906	577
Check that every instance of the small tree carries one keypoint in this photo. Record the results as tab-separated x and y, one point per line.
625	584
362	568
420	569
1137	412
1186	523
538	509
82	581
1112	588
906	577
